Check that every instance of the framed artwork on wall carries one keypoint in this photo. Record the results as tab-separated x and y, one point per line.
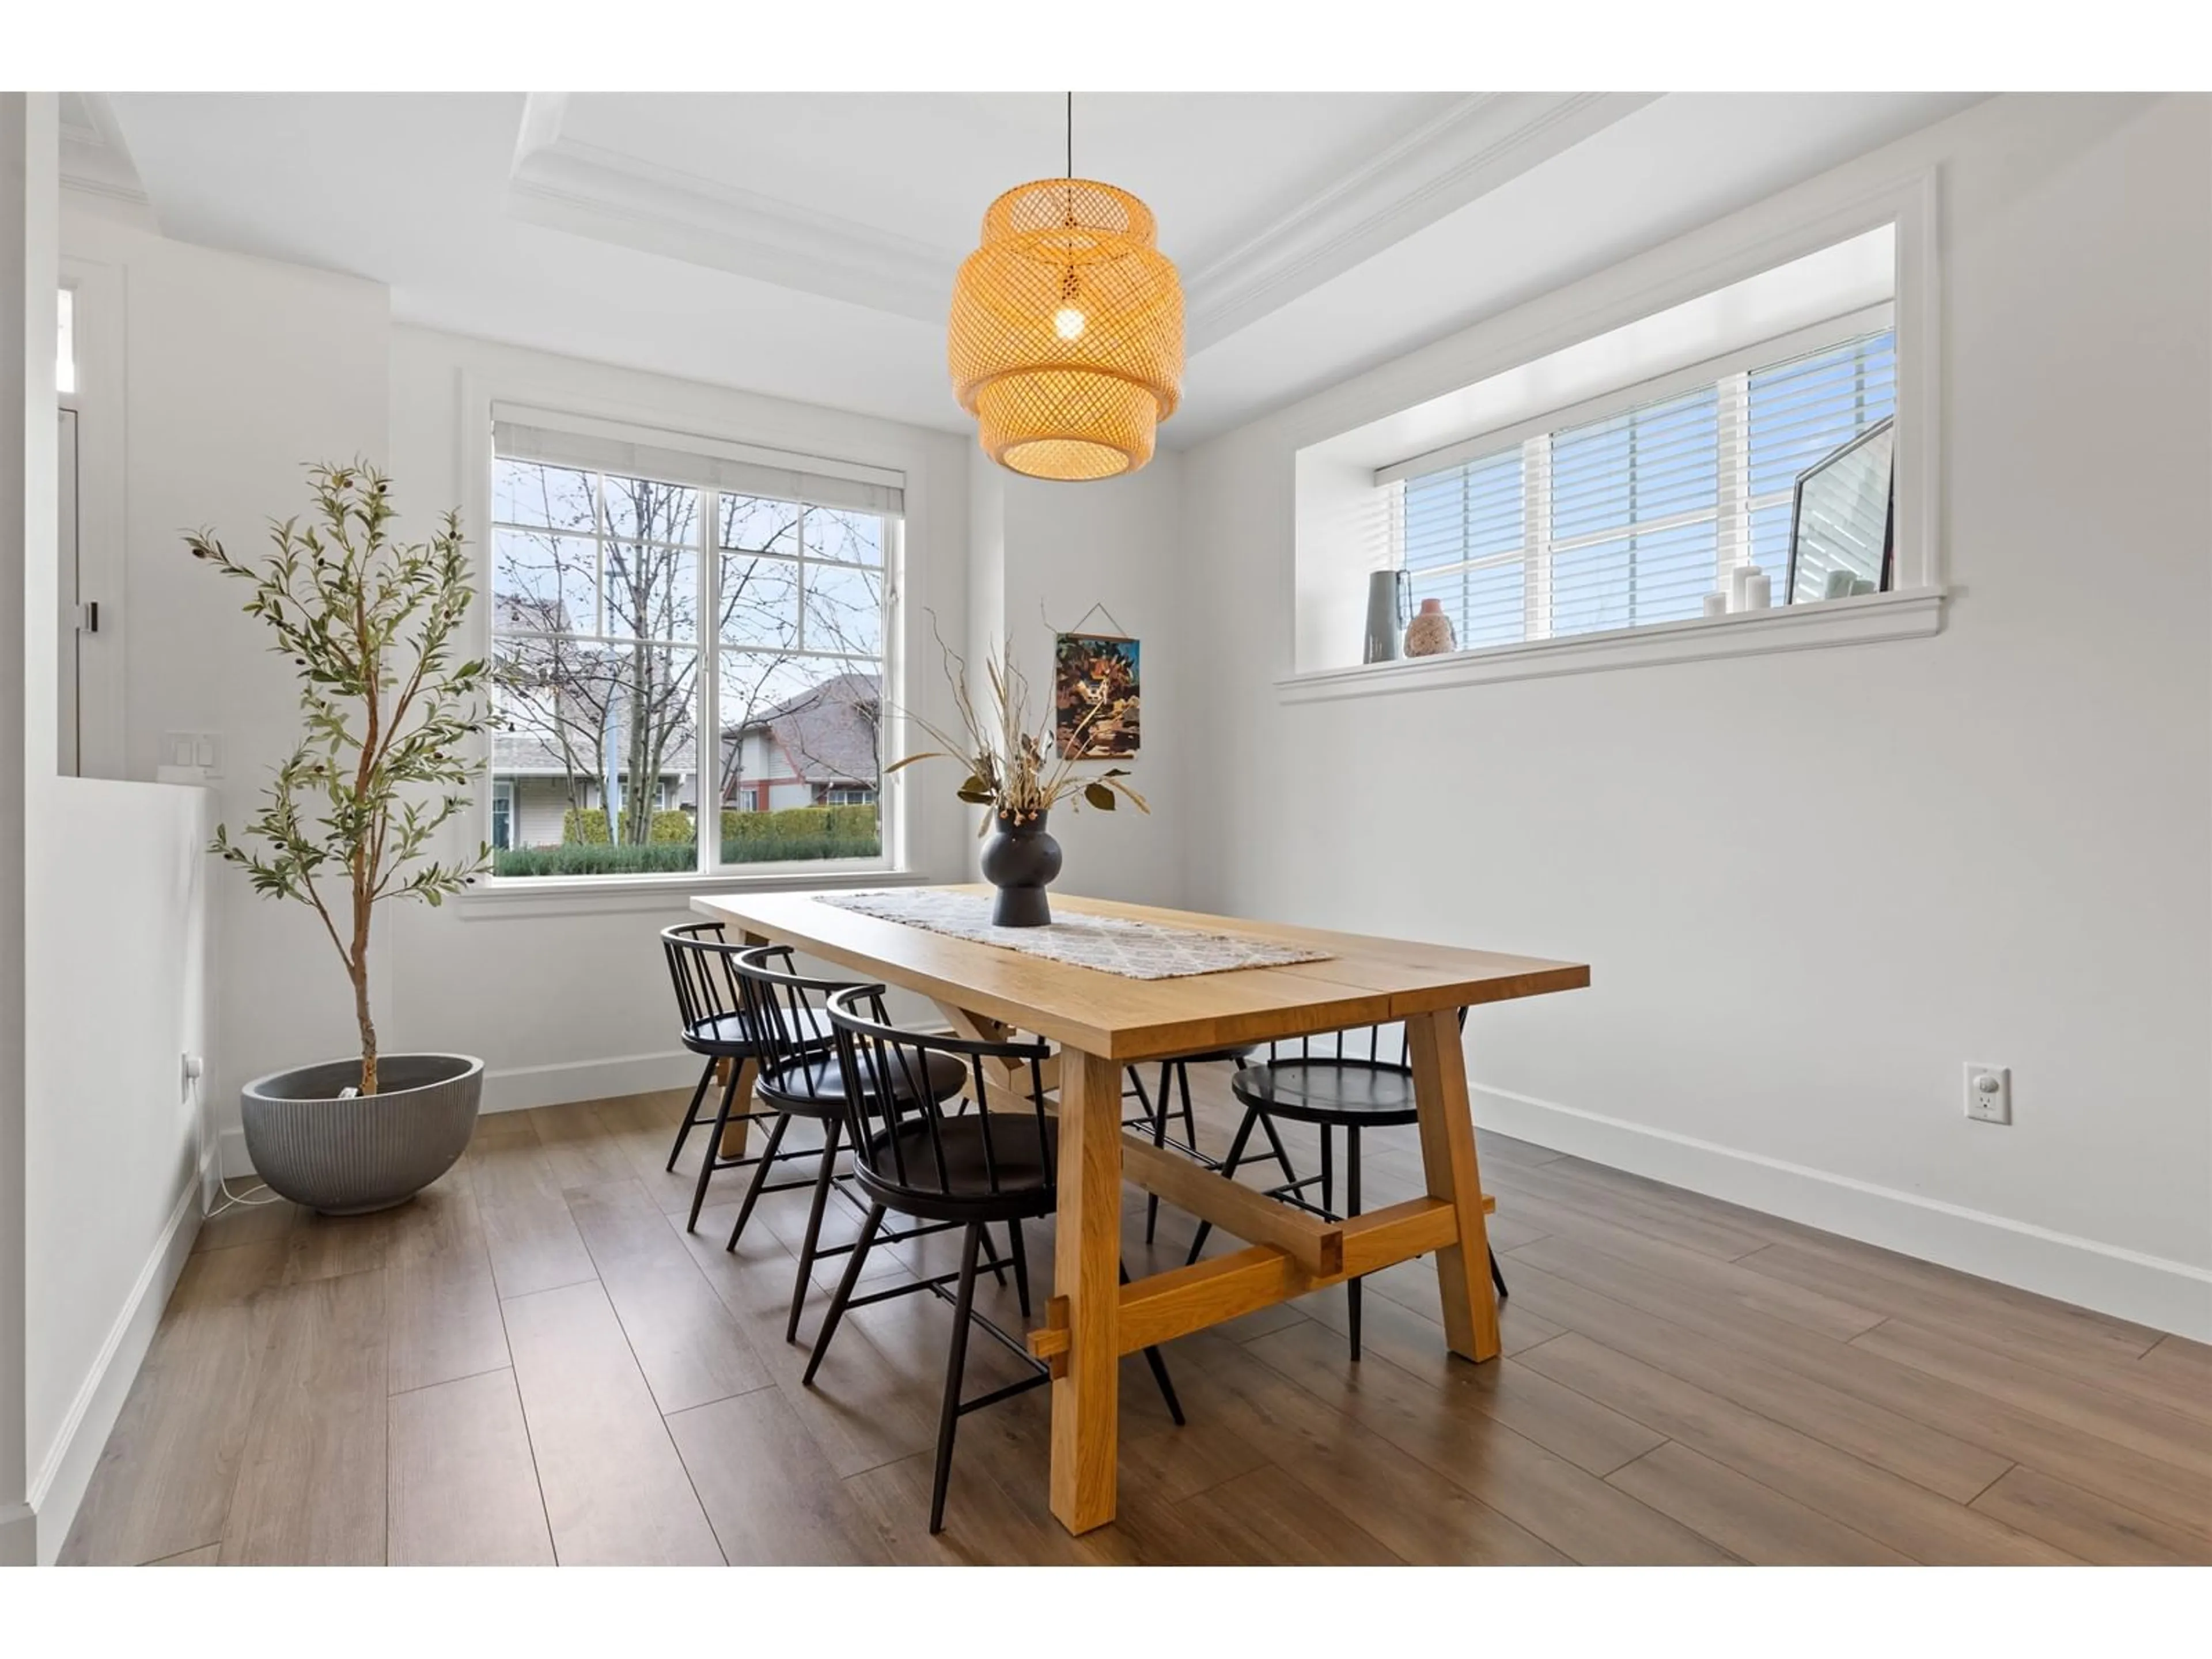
1095	694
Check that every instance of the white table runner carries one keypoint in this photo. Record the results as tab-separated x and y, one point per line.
1113	944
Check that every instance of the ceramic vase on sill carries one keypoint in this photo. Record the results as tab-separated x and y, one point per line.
1020	860
1386	615
1430	634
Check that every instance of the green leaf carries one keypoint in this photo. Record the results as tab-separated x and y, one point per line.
1098	795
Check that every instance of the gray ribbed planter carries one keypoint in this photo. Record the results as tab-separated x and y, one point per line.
348	1157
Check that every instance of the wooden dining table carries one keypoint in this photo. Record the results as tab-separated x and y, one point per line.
1102	1022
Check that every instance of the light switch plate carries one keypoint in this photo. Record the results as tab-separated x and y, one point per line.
199	753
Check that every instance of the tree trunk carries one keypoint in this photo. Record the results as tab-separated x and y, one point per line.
358	969
637	807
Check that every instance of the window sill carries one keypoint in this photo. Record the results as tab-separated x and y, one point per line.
554	895
1913	613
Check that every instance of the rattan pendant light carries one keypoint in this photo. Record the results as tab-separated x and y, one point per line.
1066	335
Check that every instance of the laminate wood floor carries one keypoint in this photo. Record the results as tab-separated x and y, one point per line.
532	1361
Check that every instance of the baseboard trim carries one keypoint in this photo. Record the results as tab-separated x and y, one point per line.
59	1486
2147	1289
517	1088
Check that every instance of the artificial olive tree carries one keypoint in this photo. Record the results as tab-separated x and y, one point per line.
393	714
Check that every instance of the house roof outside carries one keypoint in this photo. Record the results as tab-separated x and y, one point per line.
829	731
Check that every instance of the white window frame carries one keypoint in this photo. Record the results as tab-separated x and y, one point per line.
1729	378
1790	226
566	895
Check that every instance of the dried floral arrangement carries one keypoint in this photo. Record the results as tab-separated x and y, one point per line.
1014	766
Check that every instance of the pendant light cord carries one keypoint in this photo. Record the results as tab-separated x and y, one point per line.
1071	137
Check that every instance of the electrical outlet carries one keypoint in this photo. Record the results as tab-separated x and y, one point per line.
1988	1093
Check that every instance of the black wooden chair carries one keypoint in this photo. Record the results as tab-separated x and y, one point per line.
711	1003
800	1078
1332	1090
911	1155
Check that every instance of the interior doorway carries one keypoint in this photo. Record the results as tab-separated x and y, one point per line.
78	615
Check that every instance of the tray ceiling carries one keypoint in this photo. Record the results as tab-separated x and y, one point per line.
803	244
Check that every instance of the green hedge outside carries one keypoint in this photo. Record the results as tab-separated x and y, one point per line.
846	822
585	827
797	833
596	858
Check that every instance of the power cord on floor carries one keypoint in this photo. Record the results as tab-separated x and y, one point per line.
224	1199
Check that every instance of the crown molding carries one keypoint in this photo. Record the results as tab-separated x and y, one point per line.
94	158
611	197
1471	147
1465	151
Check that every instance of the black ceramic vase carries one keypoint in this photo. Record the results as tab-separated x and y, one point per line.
1020	860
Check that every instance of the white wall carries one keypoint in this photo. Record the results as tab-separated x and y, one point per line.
575	1006
29	176
1044	554
238	372
2018	810
117	927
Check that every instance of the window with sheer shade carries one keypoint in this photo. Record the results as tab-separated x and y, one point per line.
1633	518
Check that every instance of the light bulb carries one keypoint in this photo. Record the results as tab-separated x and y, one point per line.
1067	323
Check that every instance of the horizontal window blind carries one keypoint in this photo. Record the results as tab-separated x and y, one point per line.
594	446
1631	519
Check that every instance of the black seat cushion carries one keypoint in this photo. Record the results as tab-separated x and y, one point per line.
1328	1090
1019	1154
726	1033
817	1084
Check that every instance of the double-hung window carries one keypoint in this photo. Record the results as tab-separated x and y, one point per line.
631	739
1632	516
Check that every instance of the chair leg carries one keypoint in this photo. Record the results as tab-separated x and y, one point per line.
823	1179
1351	1208
1498	1278
753	1187
1159	1369
956	1362
1228	1168
1159	1114
1275	1147
690	1116
1021	1264
714	1147
844	1293
992	1261
1189	1120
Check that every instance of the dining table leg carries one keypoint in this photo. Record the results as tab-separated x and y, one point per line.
1086	1274
1448	1161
